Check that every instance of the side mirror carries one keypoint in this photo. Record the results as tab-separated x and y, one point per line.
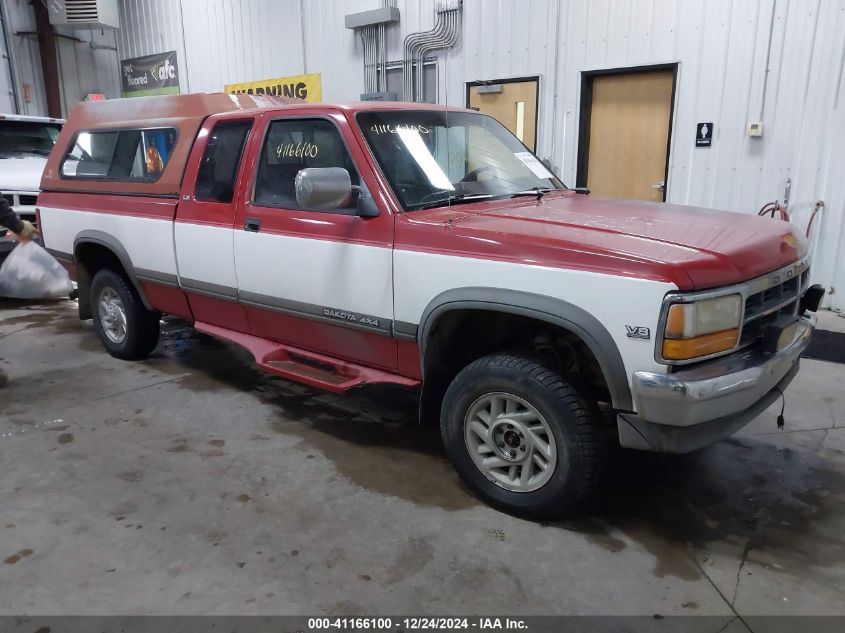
323	188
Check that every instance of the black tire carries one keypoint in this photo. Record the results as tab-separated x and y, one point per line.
570	417
142	325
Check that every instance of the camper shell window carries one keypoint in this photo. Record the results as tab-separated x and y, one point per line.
120	155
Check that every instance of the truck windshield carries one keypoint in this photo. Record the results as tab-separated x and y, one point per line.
437	158
19	139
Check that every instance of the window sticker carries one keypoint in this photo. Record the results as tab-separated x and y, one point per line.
537	168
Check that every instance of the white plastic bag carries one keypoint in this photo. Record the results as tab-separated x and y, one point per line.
30	272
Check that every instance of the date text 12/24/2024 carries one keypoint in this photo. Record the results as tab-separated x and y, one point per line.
378	624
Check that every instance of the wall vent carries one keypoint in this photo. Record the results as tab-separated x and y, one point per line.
84	14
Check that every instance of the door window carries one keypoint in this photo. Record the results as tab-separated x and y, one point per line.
292	145
513	103
219	167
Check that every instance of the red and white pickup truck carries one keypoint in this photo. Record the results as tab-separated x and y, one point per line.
347	245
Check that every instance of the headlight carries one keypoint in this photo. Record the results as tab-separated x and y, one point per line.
702	328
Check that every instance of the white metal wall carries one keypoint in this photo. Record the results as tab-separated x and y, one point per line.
7	87
88	63
26	62
83	69
720	47
155	26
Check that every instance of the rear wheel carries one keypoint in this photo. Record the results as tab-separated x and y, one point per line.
522	436
126	328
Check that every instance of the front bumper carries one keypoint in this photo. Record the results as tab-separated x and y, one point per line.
689	409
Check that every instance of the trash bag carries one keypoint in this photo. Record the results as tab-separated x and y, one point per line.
30	272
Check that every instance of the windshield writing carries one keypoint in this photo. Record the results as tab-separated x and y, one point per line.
437	158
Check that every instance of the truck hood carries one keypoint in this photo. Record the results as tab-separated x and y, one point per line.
21	174
692	247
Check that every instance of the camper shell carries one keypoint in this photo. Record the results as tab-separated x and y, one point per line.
184	114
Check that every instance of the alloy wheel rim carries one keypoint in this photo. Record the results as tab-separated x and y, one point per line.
112	315
510	442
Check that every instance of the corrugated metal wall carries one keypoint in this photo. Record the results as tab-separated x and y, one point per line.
154	26
7	86
83	69
26	62
720	46
88	62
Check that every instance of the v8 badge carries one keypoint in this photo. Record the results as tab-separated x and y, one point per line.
638	331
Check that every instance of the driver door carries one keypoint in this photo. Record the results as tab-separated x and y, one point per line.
314	279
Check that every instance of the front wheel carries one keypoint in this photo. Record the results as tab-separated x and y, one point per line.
521	436
125	327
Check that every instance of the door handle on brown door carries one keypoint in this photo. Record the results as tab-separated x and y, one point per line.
252	225
660	186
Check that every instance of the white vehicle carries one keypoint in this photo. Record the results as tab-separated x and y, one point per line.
25	144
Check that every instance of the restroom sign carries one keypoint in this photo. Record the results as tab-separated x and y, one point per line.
703	134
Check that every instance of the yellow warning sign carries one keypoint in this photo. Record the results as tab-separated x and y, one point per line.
307	87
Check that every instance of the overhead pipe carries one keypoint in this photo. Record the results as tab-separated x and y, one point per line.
368	82
381	80
381	52
452	32
422	45
450	37
373	34
368	37
412	40
416	45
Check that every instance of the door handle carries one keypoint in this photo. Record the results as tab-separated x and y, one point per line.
660	186
253	225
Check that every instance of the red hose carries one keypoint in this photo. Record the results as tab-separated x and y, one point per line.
819	207
772	208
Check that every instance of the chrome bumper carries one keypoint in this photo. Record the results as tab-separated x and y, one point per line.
691	408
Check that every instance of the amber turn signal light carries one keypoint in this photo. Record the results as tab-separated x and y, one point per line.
704	345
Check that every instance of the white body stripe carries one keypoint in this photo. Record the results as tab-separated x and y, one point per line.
205	253
361	278
614	301
331	274
149	242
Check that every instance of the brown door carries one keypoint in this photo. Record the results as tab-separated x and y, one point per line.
629	121
512	103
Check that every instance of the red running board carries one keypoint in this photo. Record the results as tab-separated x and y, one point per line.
308	368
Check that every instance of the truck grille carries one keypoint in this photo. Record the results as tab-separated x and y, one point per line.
21	199
766	306
17	200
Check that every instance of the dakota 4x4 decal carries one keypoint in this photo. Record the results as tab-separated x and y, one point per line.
351	317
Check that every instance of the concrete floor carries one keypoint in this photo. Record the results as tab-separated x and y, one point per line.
192	483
